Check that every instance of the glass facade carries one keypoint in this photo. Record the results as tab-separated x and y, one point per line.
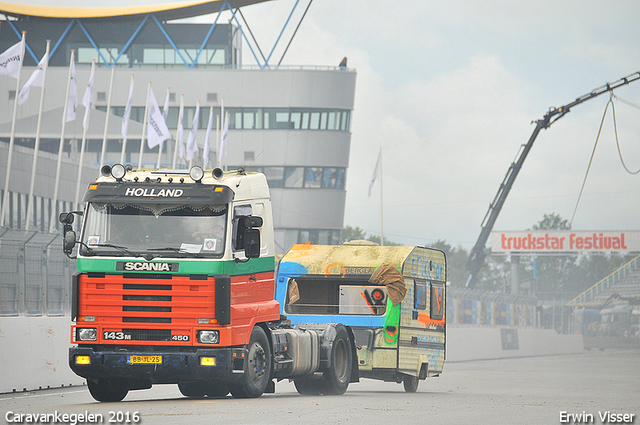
313	236
255	118
302	177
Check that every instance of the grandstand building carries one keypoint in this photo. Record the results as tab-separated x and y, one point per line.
290	122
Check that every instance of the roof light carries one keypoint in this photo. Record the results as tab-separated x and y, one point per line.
196	173
118	171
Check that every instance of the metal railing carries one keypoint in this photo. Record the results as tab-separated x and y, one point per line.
588	297
35	275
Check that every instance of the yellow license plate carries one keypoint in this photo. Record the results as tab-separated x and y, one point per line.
144	359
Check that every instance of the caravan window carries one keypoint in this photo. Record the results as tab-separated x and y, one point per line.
351	295
437	301
420	294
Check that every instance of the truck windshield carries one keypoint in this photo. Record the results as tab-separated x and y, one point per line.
159	230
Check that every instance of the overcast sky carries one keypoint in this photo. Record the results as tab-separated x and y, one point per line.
448	90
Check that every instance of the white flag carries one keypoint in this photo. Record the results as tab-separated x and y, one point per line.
165	108
10	60
192	145
35	80
376	173
156	126
205	150
73	95
223	143
127	112
87	100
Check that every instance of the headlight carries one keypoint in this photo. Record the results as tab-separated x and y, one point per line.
209	337
86	334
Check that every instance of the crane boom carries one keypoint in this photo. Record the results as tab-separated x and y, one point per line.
477	255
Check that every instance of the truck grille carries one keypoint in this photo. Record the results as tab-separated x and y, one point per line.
148	334
152	311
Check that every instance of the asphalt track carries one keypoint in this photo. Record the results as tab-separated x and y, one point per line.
536	390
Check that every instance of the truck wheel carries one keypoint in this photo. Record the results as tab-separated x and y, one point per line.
257	367
306	386
192	389
107	390
410	383
336	379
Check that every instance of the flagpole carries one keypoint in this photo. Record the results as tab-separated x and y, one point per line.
36	148
126	126
106	118
165	111
159	155
381	203
85	127
144	126
52	220
192	139
207	138
223	142
222	132
217	138
178	131
5	201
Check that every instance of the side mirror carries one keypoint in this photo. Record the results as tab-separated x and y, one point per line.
69	239
252	242
66	218
251	221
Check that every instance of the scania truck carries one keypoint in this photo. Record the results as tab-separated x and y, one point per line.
175	285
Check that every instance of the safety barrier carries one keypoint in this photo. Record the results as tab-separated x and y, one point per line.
477	307
34	274
35	281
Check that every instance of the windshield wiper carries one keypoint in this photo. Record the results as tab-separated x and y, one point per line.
178	250
122	249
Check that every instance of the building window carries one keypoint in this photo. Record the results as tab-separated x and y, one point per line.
313	236
299	177
293	177
275	176
252	118
313	178
89	54
332	178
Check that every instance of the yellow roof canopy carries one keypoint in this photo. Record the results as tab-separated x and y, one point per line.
165	9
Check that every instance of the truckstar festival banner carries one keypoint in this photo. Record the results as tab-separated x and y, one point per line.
565	241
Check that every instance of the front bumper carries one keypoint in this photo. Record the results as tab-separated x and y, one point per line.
176	366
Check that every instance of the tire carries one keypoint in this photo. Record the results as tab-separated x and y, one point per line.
192	389
410	383
306	386
336	379
108	390
257	367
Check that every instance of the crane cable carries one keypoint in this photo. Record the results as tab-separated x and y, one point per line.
590	161
615	127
